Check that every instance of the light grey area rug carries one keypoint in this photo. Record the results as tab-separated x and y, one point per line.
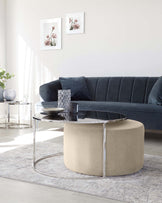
142	187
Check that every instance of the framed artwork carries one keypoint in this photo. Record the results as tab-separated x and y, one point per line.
75	23
50	34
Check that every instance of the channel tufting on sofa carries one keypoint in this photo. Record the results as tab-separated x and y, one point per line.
125	95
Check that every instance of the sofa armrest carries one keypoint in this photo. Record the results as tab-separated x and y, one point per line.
49	91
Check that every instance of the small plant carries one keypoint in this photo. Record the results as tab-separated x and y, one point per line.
4	76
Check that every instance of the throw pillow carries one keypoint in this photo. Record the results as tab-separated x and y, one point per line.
78	86
155	96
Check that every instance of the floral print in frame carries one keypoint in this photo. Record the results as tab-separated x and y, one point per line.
75	23
50	34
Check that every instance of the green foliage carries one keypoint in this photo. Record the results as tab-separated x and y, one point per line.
4	76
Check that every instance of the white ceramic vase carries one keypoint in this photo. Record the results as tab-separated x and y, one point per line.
9	94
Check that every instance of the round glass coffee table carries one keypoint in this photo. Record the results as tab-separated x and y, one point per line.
81	118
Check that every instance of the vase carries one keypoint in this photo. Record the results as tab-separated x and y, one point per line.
1	94
9	94
64	99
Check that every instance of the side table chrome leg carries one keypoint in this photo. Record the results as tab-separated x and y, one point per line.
18	106
104	150
8	113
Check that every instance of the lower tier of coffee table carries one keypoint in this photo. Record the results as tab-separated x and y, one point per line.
83	148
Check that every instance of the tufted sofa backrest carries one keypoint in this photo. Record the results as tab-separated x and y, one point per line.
120	89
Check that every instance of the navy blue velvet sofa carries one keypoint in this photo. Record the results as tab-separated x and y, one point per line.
126	95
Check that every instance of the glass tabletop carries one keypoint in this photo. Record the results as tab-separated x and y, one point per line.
81	117
15	102
18	103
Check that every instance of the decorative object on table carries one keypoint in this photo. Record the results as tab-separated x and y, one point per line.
52	111
50	33
7	93
75	23
71	116
73	108
4	76
64	99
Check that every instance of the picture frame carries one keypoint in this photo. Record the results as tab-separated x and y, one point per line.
50	34
75	23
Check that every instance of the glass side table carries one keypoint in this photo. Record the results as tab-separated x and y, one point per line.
21	116
17	114
3	114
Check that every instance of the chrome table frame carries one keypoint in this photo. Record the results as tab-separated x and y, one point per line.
36	161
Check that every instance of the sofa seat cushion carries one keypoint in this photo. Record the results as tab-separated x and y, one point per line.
149	114
111	106
118	106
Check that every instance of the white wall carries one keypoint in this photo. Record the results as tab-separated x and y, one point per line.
122	38
2	34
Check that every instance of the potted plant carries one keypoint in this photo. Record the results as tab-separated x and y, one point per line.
8	94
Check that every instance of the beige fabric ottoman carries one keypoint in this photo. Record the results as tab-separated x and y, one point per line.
83	147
